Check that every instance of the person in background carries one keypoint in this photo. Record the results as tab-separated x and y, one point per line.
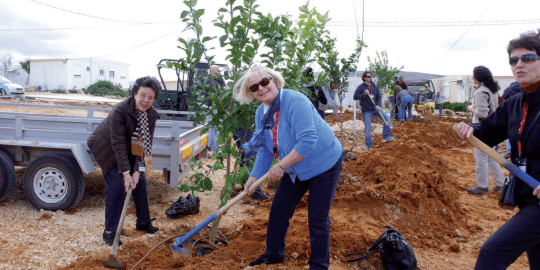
517	119
510	91
309	158
403	86
369	95
216	81
332	101
392	98
439	100
122	146
317	94
485	102
405	100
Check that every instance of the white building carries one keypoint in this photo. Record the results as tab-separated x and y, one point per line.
68	74
15	73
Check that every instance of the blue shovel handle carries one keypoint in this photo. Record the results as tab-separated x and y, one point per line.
531	182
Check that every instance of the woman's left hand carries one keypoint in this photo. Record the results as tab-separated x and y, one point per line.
275	173
536	192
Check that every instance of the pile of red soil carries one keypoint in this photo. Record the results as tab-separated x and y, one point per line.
402	184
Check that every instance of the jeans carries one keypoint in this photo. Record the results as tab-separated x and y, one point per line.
115	195
406	104
368	118
440	107
519	234
321	193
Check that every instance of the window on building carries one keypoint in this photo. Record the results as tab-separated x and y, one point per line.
87	68
111	74
122	74
101	72
77	72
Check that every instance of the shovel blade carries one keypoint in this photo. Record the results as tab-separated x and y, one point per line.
180	252
113	263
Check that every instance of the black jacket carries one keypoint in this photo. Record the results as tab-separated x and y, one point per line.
317	96
504	124
512	90
365	101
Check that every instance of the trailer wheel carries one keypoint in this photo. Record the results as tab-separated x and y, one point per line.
53	182
7	175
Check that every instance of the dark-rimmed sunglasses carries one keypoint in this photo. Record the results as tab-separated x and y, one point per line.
526	58
264	82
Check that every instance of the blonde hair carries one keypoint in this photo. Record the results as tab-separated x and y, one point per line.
241	88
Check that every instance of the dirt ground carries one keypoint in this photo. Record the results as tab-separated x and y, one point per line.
416	184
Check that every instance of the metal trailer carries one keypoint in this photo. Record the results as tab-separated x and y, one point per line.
55	153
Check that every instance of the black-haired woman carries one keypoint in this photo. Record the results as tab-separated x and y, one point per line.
485	102
317	93
122	146
517	119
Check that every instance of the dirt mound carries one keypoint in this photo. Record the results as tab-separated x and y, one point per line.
438	136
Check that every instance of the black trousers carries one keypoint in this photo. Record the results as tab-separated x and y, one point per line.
321	193
115	196
519	234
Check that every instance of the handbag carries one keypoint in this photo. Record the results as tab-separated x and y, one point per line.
507	200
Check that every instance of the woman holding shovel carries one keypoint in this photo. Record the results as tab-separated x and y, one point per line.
517	119
290	130
122	146
370	100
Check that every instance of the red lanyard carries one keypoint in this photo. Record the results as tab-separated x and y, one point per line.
370	89
274	135
525	107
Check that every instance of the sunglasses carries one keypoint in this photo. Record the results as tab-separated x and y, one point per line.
526	58
367	77
264	82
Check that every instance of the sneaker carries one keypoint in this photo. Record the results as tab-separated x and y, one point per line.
497	188
259	195
389	139
146	227
366	148
109	238
477	190
266	260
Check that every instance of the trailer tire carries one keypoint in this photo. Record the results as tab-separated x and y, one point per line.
53	182
7	175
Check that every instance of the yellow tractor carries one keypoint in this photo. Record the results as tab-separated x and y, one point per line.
427	108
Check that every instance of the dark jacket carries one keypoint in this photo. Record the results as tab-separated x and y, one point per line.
404	86
365	101
504	124
110	143
512	90
317	96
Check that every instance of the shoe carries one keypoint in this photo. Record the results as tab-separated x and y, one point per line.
266	260
366	148
146	227
477	190
389	139
507	155
259	195
109	238
497	188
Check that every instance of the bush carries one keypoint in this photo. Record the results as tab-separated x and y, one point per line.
73	91
456	106
105	88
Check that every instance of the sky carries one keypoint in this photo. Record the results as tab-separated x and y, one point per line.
437	37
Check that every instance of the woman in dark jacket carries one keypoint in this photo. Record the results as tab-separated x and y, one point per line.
122	146
317	93
517	119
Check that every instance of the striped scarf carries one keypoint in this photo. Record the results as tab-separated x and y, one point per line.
140	141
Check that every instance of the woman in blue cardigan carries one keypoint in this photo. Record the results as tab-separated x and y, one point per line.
289	129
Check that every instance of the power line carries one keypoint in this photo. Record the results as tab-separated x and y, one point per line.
65	28
432	24
91	16
448	22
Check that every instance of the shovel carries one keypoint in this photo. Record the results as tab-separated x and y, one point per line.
531	182
383	118
113	262
177	247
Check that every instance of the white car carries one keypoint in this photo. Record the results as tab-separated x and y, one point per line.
9	88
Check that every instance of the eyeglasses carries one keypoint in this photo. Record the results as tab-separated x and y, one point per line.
526	58
367	77
264	82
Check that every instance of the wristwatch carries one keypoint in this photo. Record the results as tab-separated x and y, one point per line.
281	166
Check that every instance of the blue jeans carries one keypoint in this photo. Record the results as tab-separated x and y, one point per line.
368	118
519	234
321	194
115	195
406	104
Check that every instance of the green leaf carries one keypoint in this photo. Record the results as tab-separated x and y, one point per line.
198	14
198	27
207	184
205	39
223	38
222	10
184	14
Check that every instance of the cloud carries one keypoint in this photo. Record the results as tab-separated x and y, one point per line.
466	44
44	43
